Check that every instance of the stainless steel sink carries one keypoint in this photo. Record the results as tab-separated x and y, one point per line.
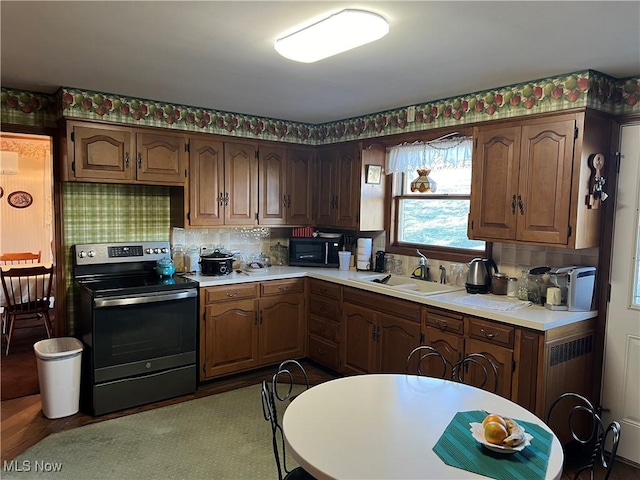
408	285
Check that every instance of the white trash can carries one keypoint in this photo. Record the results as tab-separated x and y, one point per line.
59	364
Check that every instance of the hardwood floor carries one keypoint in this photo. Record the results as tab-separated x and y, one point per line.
23	423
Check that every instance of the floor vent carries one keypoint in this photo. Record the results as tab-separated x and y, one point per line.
570	350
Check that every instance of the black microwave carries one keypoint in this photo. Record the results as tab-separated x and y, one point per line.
314	252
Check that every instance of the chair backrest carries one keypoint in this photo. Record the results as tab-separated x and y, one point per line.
479	370
27	289
289	373
426	360
20	257
593	435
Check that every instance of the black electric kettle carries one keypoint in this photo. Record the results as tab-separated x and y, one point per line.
479	276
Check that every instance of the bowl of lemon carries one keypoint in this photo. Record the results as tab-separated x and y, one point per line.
500	434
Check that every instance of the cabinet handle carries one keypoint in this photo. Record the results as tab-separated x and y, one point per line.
283	289
288	200
226	198
234	294
490	336
520	205
284	200
513	204
321	351
221	199
139	160
126	159
442	325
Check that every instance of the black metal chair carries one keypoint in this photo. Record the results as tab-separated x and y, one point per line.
479	363
27	291
426	355
586	428
271	398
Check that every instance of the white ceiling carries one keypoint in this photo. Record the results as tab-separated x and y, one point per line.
220	55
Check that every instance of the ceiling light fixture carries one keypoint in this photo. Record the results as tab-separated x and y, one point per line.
335	34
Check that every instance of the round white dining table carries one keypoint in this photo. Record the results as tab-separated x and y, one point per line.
385	427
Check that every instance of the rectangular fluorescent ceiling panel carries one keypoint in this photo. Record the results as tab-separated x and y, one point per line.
335	34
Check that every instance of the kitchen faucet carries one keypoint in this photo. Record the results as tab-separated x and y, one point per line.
422	271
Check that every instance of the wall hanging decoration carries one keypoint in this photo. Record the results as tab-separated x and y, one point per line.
374	174
20	199
596	191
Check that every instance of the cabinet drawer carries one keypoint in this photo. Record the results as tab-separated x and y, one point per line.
326	289
278	287
324	352
445	321
230	293
382	303
491	332
324	307
324	328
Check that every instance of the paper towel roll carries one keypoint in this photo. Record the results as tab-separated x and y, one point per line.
365	245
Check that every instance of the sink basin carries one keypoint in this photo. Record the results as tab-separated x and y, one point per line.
408	285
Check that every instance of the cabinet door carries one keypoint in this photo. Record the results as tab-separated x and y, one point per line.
449	345
326	196
501	357
494	183
282	328
348	184
102	154
206	183
161	158
359	348
241	182
230	332
396	338
299	197
273	195
545	182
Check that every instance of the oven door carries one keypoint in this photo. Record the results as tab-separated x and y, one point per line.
144	333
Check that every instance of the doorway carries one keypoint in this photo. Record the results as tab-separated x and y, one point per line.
26	225
620	385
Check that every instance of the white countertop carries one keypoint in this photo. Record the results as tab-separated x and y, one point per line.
535	317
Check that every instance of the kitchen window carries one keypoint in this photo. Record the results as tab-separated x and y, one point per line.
431	198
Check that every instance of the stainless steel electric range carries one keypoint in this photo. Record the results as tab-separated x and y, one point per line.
139	330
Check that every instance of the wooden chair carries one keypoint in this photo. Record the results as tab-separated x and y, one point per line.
478	369
27	291
422	358
272	396
588	431
20	258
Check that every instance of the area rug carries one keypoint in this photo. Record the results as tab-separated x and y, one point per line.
222	436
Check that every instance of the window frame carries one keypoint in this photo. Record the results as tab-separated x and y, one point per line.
393	197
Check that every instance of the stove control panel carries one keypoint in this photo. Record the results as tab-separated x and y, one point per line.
122	252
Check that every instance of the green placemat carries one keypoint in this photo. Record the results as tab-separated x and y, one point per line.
458	448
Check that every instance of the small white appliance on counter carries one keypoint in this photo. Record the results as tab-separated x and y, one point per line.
577	285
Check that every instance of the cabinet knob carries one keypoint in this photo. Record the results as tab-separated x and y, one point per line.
489	335
442	325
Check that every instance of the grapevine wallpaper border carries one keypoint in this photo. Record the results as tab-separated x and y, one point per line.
581	89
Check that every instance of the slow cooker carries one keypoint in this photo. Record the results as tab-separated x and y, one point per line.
216	263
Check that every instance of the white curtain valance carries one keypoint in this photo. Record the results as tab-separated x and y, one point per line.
438	154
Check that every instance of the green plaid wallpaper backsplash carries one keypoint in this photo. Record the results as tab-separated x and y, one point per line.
111	213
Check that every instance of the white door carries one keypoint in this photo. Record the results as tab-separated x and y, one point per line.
621	380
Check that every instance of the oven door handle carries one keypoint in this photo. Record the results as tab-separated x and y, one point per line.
147	298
